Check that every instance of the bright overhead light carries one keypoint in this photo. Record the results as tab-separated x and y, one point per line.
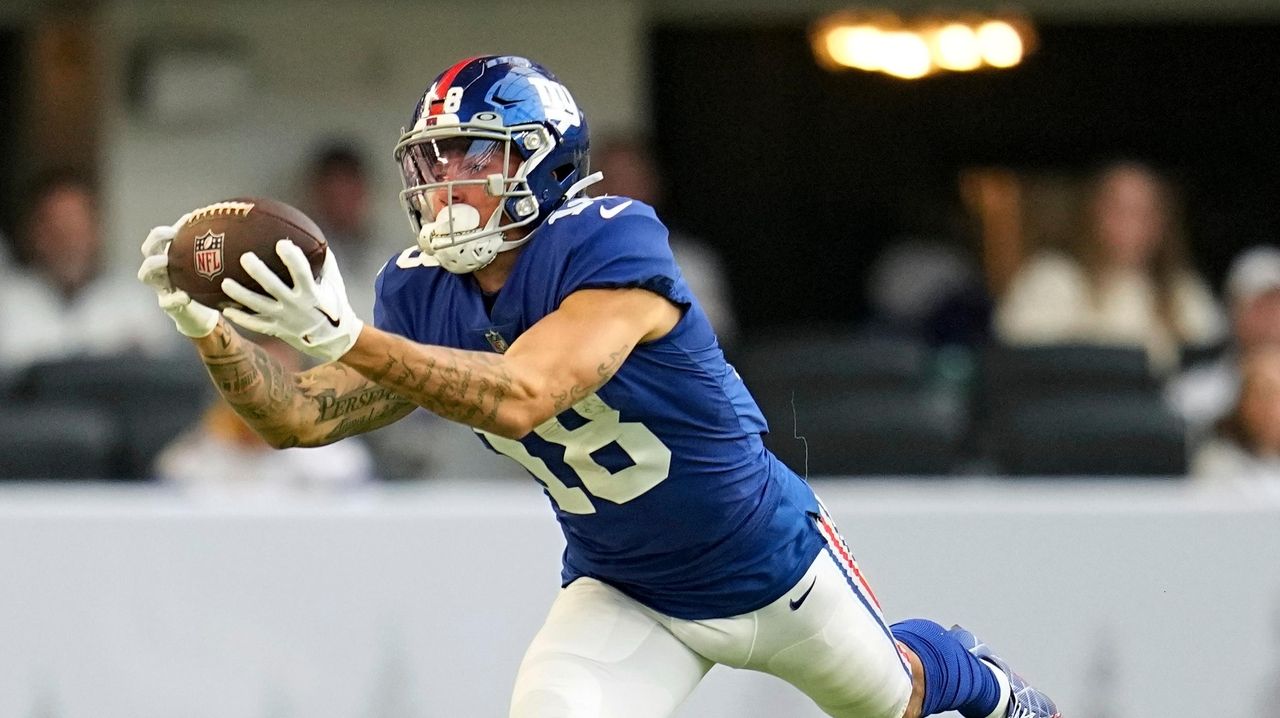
955	47
905	55
879	41
855	46
1001	45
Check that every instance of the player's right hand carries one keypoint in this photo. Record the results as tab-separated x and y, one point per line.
192	318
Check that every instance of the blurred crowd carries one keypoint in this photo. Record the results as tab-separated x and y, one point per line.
1075	336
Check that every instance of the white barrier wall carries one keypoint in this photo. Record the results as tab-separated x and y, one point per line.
416	602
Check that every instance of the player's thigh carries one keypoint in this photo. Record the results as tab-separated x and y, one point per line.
841	654
834	645
602	654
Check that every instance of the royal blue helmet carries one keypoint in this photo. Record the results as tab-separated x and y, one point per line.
485	112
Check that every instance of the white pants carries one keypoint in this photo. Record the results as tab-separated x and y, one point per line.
601	654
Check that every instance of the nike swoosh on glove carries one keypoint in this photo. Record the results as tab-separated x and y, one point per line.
313	316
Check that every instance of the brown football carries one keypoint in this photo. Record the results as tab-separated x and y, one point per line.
207	247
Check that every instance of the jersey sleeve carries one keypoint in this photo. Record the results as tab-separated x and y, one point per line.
628	250
387	314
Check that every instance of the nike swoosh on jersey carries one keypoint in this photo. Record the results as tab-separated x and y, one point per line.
795	602
611	212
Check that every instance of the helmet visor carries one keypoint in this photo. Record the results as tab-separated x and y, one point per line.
450	159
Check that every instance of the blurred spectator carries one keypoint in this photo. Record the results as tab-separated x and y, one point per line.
931	289
1245	454
630	171
7	262
1124	278
338	199
1205	393
63	301
221	457
337	186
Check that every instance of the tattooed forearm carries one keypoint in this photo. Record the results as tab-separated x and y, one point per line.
508	394
469	387
246	375
288	408
376	416
333	406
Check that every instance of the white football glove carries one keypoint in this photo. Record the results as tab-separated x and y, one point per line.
192	318
314	316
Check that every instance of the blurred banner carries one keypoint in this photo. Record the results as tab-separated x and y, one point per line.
1121	599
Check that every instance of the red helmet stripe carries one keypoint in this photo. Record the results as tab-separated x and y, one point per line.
446	80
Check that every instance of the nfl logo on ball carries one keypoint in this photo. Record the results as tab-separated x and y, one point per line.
208	254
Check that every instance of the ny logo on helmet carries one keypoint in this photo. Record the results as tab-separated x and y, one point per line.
557	103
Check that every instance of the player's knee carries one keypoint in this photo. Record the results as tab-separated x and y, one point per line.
542	703
555	689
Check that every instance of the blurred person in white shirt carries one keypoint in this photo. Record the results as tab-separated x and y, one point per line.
1205	393
1244	455
1124	278
222	458
56	304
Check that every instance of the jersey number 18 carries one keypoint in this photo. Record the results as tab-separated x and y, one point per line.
651	459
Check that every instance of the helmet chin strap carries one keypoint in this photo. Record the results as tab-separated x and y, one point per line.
446	238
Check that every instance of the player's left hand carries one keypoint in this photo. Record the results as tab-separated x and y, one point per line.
313	316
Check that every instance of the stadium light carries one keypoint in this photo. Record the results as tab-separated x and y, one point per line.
856	46
905	54
879	41
955	47
1001	45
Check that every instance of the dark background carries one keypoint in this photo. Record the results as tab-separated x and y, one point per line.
10	98
800	176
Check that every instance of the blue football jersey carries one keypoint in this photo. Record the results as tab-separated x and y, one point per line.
660	479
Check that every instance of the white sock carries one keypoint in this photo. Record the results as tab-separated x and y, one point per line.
1002	707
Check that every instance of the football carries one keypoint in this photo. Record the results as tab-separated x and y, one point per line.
208	246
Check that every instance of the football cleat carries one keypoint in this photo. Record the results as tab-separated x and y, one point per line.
1024	700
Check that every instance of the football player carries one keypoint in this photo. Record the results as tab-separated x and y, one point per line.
559	328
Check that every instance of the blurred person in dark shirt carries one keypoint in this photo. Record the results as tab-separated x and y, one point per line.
338	192
7	262
930	287
631	171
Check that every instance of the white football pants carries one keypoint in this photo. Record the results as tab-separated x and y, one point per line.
601	654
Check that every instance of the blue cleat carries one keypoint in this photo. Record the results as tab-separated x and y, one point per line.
1024	701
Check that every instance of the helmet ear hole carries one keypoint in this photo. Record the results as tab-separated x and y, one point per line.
562	172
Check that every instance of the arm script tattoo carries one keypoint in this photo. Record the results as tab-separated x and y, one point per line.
288	408
466	386
470	387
